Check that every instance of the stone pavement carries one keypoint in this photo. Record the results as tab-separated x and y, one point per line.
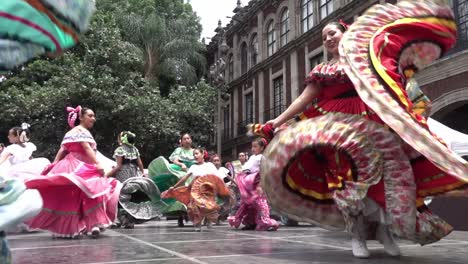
164	242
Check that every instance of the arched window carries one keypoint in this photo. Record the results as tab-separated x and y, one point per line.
284	29
307	17
254	50
244	57
271	38
230	68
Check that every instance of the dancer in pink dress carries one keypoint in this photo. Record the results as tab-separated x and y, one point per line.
254	211
77	197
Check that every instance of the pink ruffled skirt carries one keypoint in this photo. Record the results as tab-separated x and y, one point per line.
76	198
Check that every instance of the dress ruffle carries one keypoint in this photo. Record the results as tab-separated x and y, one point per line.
29	28
200	197
384	48
16	203
140	198
165	175
321	170
89	200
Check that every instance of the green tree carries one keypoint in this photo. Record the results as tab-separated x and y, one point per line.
169	39
104	72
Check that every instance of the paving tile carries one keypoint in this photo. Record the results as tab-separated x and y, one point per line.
164	242
87	250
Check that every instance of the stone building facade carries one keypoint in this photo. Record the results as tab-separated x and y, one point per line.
264	54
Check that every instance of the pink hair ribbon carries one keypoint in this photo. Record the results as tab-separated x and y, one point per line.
73	115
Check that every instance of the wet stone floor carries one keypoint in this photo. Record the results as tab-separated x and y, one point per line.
164	242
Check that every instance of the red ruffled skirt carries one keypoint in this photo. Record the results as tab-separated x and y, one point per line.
336	179
430	180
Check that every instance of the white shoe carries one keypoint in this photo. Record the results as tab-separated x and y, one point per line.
359	248
95	232
209	225
384	236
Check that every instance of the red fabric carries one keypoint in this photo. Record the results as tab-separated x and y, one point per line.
430	180
394	38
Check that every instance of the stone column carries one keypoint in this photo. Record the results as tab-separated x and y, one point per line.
235	109
294	76
236	56
260	37
261	97
220	123
294	19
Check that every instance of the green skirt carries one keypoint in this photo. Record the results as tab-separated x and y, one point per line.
166	175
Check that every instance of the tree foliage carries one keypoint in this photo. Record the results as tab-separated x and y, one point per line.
105	72
167	32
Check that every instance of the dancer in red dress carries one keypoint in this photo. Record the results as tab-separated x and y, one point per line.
362	159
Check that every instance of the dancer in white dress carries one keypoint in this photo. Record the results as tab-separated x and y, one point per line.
16	159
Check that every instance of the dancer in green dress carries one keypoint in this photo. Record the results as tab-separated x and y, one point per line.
166	174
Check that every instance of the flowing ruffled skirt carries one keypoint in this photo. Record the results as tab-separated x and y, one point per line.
201	198
76	198
139	197
24	170
253	209
165	175
16	205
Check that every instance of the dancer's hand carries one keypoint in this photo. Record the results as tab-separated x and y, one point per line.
272	122
184	167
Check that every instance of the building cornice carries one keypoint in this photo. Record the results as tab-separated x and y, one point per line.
444	68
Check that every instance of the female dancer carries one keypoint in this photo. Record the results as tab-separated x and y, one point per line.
343	171
226	176
18	47
254	211
200	194
16	161
166	175
139	197
77	198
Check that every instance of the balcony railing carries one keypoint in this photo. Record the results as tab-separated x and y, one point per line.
273	112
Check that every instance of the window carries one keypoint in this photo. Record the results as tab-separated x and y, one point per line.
326	7
284	27
249	104
254	50
461	13
307	16
277	96
316	60
230	68
460	9
226	122
244	57
271	38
